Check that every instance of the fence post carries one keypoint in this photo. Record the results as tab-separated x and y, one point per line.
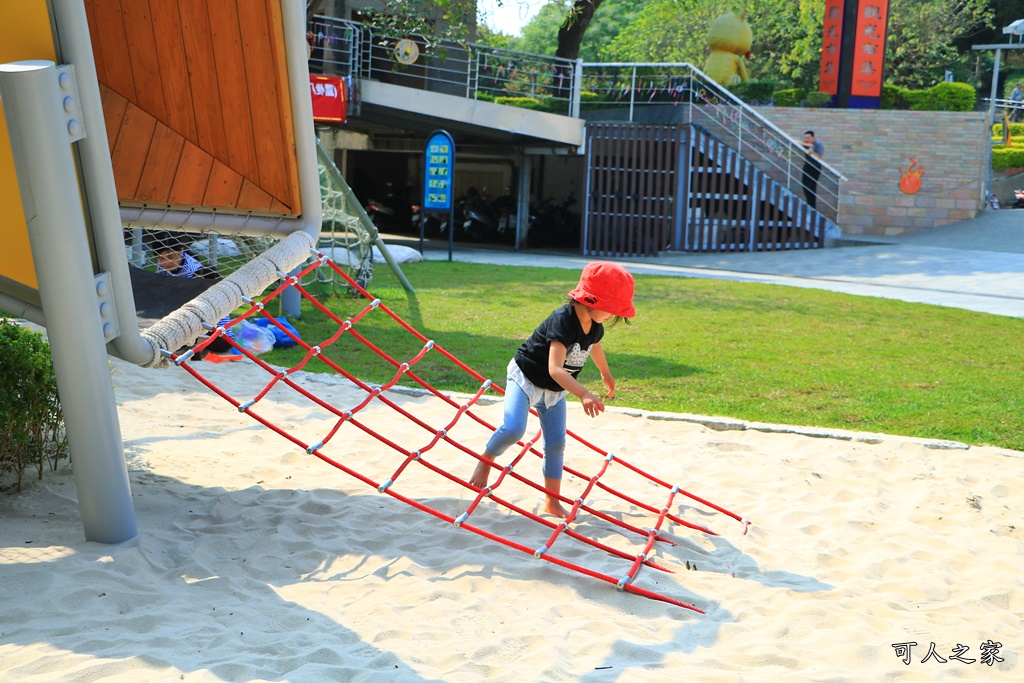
577	89
632	92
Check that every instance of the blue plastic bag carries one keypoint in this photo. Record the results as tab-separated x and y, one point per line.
281	340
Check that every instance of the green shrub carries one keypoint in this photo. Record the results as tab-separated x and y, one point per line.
754	92
818	99
890	95
1016	131
939	97
1007	157
521	102
791	97
484	96
31	421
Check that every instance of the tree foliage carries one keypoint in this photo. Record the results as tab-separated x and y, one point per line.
926	37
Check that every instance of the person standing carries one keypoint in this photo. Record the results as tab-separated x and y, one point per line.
1017	98
545	369
815	150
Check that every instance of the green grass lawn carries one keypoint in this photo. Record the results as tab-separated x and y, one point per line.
749	351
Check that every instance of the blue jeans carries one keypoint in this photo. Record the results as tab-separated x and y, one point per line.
552	425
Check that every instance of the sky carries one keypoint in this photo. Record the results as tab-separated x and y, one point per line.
511	17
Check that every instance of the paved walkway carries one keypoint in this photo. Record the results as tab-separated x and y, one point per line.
977	265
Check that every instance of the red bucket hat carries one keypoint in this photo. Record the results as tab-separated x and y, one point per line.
607	287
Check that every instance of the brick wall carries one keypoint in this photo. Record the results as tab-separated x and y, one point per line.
870	147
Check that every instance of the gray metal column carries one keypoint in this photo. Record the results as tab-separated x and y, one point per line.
40	102
523	201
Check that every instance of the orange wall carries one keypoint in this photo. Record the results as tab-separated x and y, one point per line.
25	33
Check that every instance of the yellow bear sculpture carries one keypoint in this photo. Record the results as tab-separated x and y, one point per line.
729	38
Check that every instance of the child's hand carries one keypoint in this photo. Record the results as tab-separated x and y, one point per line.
592	405
609	384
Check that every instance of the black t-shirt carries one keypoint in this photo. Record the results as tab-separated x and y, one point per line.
561	326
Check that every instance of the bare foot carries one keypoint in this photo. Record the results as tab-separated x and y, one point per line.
480	475
552	506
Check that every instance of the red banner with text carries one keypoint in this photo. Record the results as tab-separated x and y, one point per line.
869	48
328	94
831	43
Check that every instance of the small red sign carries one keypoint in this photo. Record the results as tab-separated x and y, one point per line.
328	94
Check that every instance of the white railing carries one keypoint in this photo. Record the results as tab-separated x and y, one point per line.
471	70
629	92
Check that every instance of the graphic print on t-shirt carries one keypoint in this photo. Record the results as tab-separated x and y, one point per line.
575	358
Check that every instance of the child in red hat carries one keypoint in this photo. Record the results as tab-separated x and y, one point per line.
546	366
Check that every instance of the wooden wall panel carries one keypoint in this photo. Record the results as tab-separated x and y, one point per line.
227	47
224	186
191	177
114	108
196	101
253	197
132	149
145	67
161	166
203	77
261	79
170	50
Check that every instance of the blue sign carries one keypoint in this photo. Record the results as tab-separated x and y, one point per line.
439	168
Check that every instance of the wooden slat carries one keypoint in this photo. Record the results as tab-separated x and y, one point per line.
97	48
224	186
114	108
227	48
191	177
174	81
203	81
129	157
108	31
146	73
253	198
271	144
161	165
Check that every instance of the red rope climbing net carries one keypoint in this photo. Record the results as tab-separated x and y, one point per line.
585	520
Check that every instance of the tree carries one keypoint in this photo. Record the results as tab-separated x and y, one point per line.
540	35
922	38
570	33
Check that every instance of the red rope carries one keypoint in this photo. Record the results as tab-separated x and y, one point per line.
578	505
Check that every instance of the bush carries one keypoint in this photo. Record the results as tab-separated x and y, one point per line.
940	97
1016	131
1007	157
31	421
754	92
818	99
521	102
791	97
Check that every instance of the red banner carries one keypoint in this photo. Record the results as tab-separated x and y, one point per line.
831	42
869	48
328	98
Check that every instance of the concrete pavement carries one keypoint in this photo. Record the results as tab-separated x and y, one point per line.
976	264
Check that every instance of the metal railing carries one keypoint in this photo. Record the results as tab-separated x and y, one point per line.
632	92
474	71
682	93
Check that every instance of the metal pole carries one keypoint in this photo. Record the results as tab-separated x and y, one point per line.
577	89
40	102
632	88
994	90
991	124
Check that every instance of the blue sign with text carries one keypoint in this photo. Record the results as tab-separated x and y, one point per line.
439	176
